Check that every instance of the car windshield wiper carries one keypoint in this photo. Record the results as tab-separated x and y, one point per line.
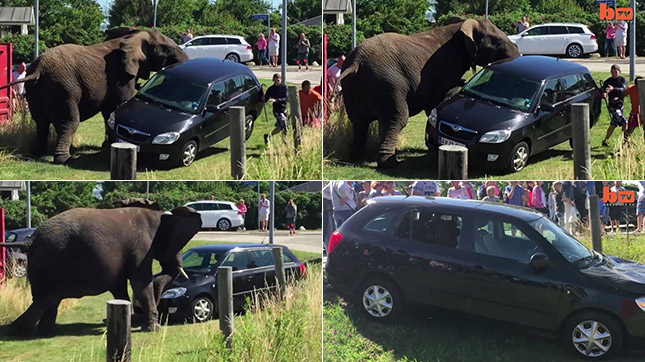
587	259
485	99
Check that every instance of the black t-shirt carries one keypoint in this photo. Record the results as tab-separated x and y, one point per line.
279	93
620	86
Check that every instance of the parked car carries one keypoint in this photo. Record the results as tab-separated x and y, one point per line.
17	258
230	47
184	109
514	109
222	215
491	260
253	266
569	39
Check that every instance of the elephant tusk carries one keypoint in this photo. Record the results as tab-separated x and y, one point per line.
182	272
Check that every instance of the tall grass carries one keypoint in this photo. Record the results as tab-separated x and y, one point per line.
626	162
338	137
15	298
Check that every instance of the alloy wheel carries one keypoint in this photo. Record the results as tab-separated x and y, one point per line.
520	158
574	51
377	301
202	309
248	127
189	155
233	57
591	338
223	224
19	270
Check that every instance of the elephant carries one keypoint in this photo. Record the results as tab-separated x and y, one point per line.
84	251
71	83
391	77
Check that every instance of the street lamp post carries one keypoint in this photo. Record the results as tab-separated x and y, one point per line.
283	40
632	45
354	23
36	14
154	19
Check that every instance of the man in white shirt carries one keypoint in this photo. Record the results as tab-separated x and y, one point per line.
621	38
328	214
333	73
264	210
274	47
17	75
343	199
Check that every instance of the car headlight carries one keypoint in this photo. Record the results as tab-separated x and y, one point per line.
166	138
432	118
173	293
111	122
640	302
496	136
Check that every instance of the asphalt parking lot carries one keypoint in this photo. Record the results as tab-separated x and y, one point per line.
293	75
603	65
310	241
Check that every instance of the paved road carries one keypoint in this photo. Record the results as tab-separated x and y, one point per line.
310	241
604	65
293	76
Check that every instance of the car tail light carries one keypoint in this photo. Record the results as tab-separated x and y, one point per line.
303	270
248	47
593	36
334	241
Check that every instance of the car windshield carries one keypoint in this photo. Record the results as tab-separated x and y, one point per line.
174	92
202	261
566	244
502	89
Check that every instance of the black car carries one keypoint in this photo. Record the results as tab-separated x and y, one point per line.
253	270
17	258
492	260
184	109
514	109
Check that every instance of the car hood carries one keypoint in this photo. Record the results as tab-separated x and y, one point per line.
152	118
478	115
195	279
619	273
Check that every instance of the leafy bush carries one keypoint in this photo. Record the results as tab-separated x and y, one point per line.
16	214
23	46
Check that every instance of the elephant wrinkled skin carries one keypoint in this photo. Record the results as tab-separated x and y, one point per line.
391	77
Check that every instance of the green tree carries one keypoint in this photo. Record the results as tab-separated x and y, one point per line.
242	10
299	10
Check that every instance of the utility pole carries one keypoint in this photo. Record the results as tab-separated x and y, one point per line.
632	45
36	30
29	204
154	19
283	50
486	14
272	212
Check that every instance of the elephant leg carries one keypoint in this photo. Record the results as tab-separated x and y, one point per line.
47	324
106	141
65	133
361	130
389	129
159	283
25	324
42	135
144	293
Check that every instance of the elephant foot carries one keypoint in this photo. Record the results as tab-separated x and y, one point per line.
21	331
387	161
62	159
151	327
46	331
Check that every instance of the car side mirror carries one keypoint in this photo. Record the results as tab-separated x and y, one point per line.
212	108
539	261
546	107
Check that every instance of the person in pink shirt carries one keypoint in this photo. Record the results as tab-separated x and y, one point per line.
262	50
243	209
538	198
610	39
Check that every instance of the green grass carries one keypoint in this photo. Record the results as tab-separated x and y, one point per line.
438	335
556	163
280	331
279	161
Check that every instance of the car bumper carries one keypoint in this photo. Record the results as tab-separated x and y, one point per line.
246	57
176	309
162	154
590	48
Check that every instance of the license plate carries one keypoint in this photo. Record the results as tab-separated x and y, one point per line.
124	141
172	310
445	141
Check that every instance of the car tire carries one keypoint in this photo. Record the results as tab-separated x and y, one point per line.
605	330
232	57
223	224
19	268
575	50
380	300
249	122
188	153
519	157
202	309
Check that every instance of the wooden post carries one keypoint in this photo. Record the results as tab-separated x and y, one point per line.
640	84
595	223
296	116
238	147
225	303
580	134
119	336
279	270
123	161
453	162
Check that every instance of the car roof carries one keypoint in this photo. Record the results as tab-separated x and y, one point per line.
226	247
537	67
455	205
207	201
218	35
207	70
559	24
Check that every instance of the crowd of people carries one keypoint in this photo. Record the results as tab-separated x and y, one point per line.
564	202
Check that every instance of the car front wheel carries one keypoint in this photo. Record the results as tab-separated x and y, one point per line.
203	309
519	157
593	336
574	51
188	153
223	224
248	127
380	300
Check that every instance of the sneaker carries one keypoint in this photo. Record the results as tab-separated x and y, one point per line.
604	143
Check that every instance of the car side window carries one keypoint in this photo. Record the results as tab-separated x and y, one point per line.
217	41
382	222
210	206
575	30
503	239
233	41
249	82
234	87
561	89
196	206
225	207
200	41
588	81
431	227
10	237
260	258
237	260
558	30
286	258
217	95
538	30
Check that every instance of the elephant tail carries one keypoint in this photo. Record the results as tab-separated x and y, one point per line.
33	77
24	245
350	71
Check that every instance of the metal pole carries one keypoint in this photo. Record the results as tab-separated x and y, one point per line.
29	204
595	223
147	190
580	132
258	204
36	29
283	50
271	215
354	24
268	24
632	45
154	19
486	14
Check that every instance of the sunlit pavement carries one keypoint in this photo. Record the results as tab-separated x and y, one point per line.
293	75
604	64
310	241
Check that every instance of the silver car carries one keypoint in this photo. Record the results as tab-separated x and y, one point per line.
229	47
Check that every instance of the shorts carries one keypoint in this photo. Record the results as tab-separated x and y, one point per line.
617	117
621	42
616	212
264	216
291	223
280	120
302	57
273	52
640	207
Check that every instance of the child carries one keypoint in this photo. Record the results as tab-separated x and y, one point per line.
277	94
490	192
635	118
614	89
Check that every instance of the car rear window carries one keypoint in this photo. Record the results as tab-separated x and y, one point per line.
557	29
209	206
225	207
233	41
539	30
196	206
382	222
428	226
217	41
260	258
575	30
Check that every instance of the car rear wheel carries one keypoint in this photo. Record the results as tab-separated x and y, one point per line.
188	153
203	309
223	224
381	300
19	269
248	127
593	336
519	157
233	57
574	51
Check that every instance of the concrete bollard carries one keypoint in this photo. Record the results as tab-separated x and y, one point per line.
595	223
453	162
279	270
296	116
225	303
580	134
119	334
123	161
238	146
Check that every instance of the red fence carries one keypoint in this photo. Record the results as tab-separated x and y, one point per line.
6	95
3	251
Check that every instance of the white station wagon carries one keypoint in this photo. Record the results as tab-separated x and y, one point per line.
570	39
222	215
229	47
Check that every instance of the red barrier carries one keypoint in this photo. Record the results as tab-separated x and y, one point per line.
3	251
324	85
6	95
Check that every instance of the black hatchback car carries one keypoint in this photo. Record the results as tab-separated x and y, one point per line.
514	109
17	258
253	270
491	260
184	109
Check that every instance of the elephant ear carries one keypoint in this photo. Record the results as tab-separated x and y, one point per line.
135	49
176	229
453	20
139	202
469	29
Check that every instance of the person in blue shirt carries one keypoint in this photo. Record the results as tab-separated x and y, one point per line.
516	194
278	95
